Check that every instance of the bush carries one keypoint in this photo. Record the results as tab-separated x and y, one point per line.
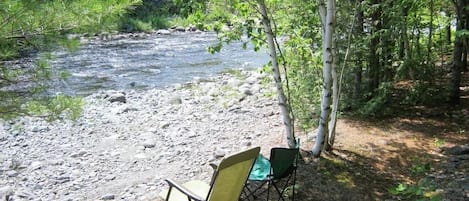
136	25
378	104
57	107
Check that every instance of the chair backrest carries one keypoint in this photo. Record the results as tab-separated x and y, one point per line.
283	161
231	176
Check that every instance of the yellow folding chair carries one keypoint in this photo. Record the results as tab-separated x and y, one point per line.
227	182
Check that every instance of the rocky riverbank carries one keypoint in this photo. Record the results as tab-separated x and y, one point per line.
127	142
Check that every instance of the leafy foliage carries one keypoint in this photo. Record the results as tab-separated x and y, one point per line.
57	107
31	26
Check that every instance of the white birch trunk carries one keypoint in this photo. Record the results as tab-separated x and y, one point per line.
282	101
335	101
328	21
336	87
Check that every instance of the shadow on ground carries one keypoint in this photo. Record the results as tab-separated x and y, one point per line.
371	158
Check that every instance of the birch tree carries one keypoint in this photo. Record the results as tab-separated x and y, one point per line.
327	14
282	100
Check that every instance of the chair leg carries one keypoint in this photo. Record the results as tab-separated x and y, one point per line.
268	189
279	192
169	193
294	184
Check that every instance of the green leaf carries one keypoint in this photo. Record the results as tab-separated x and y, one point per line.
462	33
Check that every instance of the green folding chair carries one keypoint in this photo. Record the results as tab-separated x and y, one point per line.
283	166
227	182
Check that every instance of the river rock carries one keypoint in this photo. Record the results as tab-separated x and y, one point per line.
40	129
35	165
108	149
3	136
246	90
175	100
219	153
253	79
149	144
458	150
12	173
116	97
6	192
163	32
191	28
78	154
179	28
25	195
108	197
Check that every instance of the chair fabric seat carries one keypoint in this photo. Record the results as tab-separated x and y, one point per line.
261	169
198	187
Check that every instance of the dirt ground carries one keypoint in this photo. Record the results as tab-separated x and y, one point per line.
371	157
401	157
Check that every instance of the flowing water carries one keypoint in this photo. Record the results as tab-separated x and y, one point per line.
149	61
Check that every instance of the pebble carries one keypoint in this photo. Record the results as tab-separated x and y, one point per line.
117	97
108	197
5	192
12	173
149	144
134	140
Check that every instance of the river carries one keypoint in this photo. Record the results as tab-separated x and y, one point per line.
148	61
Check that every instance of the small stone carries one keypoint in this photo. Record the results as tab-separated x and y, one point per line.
110	177
117	97
3	137
164	125
163	32
140	156
108	197
63	179
25	194
6	192
247	144
458	150
40	129
38	187
78	154
246	90
12	173
463	157
175	100
35	165
129	109
180	28
149	144
219	153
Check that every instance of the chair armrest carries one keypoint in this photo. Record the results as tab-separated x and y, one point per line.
183	190
214	167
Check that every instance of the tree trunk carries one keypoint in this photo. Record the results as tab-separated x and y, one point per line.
430	35
359	28
335	101
328	21
457	53
464	56
448	33
374	57
282	100
466	41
